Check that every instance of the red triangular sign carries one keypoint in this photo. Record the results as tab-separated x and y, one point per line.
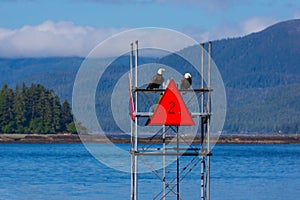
171	109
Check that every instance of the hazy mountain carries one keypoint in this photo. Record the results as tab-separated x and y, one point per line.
264	59
262	76
55	73
261	73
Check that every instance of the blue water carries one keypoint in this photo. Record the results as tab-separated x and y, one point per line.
68	172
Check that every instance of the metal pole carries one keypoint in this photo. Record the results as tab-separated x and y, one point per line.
130	84
132	127
136	124
164	163
164	157
202	95
202	76
202	124
208	76
208	167
208	122
202	177
177	163
136	86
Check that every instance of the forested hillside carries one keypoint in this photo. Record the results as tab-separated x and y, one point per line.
261	72
33	109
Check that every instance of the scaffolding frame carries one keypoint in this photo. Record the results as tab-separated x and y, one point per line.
199	152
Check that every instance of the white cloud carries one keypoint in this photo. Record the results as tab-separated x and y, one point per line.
230	30
297	15
51	39
66	39
256	24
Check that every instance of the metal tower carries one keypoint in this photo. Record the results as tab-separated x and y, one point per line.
168	142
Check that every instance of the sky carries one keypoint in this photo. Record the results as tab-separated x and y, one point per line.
41	28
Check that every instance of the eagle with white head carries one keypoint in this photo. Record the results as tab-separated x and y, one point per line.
156	80
186	81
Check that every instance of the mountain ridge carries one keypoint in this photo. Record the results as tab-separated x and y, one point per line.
261	74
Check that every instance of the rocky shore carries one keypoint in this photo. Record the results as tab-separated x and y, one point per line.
71	138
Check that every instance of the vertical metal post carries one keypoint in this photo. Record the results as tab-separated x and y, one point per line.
131	83
164	157
202	76
208	165
177	164
208	76
202	95
208	122
136	123
132	126
136	94
202	124
164	162
202	177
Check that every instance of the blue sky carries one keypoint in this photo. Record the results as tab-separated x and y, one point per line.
26	24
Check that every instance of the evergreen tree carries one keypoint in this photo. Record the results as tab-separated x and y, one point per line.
27	111
7	122
34	95
71	128
66	115
19	110
48	115
56	108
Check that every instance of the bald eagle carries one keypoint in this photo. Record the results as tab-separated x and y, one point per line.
156	80
186	81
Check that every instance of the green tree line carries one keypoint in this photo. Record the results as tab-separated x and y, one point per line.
33	109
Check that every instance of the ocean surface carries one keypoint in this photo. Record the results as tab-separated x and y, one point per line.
70	172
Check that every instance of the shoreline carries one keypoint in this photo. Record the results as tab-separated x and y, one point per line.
75	139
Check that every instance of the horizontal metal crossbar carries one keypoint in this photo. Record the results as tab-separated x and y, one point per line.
163	90
173	148
169	153
149	114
